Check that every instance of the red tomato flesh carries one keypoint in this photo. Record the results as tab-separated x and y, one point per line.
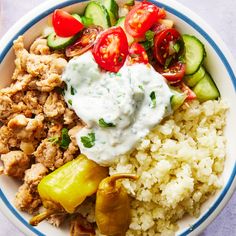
111	49
141	18
65	25
174	73
84	42
188	91
164	45
137	54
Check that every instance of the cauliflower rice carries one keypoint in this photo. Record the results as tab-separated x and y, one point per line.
179	164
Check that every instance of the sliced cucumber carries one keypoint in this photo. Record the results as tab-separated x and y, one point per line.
206	89
58	43
111	6
194	53
98	14
177	99
192	80
77	17
86	21
112	18
129	2
121	23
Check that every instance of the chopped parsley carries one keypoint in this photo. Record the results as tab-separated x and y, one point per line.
89	140
153	98
72	90
102	123
63	141
54	139
70	102
141	87
149	35
167	62
176	47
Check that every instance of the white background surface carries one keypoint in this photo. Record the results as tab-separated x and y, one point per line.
221	15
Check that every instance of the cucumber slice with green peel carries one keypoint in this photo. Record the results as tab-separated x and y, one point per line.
192	80
194	53
112	7
177	99
206	89
121	23
58	43
129	2
77	17
98	14
112	18
86	21
83	19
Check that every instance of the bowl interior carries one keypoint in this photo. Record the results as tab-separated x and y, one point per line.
215	62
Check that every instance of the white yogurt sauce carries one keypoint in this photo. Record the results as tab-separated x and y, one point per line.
130	103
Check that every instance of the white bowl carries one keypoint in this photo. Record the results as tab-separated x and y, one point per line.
219	63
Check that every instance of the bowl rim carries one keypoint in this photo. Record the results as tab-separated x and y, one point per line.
46	8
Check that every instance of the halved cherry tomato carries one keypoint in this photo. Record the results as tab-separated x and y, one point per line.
137	54
65	25
158	27
168	46
141	18
187	90
174	73
85	41
111	49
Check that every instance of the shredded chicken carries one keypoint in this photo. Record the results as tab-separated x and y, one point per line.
40	47
81	227
34	175
27	200
54	106
5	135
57	219
49	154
47	68
26	128
32	115
15	163
5	106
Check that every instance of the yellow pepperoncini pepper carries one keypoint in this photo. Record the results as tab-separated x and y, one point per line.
67	187
112	210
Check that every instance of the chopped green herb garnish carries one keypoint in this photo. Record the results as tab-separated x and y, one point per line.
182	59
102	123
153	98
118	74
72	90
65	138
63	141
176	47
167	62
70	102
89	140
141	87
149	35
54	139
87	21
147	45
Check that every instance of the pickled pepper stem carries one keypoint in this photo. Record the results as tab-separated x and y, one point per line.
112	179
40	217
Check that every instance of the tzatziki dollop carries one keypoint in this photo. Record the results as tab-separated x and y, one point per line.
118	109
